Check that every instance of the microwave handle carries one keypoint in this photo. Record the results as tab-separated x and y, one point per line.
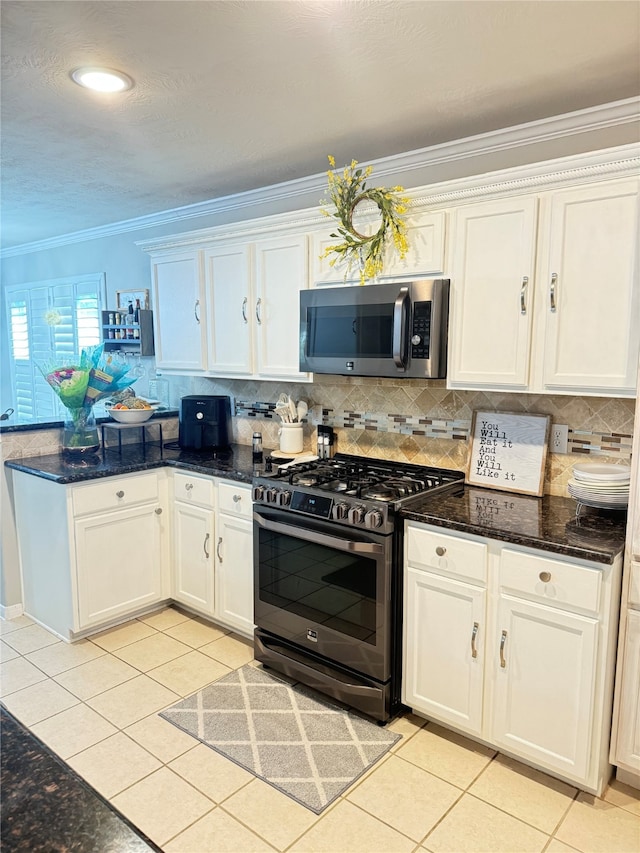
400	328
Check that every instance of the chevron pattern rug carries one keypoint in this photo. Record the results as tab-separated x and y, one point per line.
308	749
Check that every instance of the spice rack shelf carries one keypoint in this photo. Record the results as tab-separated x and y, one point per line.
127	337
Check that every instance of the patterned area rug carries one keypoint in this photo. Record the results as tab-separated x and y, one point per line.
310	750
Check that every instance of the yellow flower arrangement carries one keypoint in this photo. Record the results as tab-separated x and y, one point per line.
346	190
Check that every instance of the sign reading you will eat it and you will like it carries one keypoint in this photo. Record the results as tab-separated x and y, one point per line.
509	451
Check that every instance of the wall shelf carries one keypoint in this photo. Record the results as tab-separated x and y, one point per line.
143	343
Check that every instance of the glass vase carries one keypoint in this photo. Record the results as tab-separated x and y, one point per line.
80	433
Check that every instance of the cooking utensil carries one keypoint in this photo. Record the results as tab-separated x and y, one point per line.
302	409
283	413
293	412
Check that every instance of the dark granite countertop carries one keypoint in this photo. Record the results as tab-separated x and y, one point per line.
548	523
15	424
236	464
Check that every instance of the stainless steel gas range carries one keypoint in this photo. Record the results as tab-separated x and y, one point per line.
327	563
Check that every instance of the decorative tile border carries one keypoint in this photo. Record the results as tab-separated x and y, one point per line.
254	410
582	442
579	441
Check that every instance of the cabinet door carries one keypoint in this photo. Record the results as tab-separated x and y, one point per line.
234	573
444	649
628	743
193	569
544	665
492	294
591	290
119	563
179	312
230	310
281	273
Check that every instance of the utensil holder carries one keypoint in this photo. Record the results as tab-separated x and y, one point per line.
291	438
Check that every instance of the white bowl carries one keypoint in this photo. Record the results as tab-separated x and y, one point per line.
131	416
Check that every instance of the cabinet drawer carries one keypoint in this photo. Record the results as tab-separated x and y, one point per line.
114	493
235	499
551	581
448	555
196	490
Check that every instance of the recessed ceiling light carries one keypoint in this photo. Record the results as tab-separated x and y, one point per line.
102	79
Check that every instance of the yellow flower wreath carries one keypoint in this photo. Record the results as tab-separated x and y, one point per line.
347	189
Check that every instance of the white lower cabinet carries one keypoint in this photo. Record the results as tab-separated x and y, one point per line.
627	755
213	549
118	563
525	664
234	558
100	550
193	538
444	662
544	685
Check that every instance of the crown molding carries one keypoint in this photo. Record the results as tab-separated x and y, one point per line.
614	114
612	163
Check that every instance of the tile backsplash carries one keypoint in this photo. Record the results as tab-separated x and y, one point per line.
421	421
408	420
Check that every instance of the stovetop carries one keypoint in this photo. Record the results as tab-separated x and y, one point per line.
349	489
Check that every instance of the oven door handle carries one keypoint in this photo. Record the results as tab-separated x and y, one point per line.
320	538
400	328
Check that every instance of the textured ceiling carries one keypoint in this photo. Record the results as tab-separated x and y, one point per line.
231	96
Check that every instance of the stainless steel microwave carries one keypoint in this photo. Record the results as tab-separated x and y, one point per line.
388	330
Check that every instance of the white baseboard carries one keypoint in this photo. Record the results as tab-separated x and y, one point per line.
11	612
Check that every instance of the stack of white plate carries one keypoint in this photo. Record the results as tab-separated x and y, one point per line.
601	484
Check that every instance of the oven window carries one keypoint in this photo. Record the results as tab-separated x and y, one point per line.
350	331
321	584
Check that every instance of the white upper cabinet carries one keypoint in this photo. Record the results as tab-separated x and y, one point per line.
570	325
179	311
492	296
426	238
281	273
231	307
589	288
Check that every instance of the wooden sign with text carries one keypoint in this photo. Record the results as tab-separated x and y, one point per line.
509	451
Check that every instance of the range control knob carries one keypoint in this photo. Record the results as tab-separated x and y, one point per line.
284	498
356	514
271	495
415	340
258	493
340	510
373	518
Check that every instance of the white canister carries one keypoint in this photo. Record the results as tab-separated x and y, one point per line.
291	438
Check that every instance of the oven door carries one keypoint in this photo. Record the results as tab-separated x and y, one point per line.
325	589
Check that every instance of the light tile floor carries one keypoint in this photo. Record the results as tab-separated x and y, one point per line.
95	703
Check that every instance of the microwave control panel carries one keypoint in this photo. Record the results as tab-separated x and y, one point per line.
421	330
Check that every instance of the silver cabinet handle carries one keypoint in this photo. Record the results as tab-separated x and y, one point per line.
244	310
188	486
159	511
218	549
204	546
503	640
237	498
441	551
474	634
120	494
523	294
259	312
195	311
545	577
552	291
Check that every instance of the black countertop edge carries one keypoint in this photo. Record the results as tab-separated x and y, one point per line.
548	523
6	427
236	464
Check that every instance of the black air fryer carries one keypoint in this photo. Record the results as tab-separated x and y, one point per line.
205	422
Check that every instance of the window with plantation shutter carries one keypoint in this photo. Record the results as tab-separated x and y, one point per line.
48	322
